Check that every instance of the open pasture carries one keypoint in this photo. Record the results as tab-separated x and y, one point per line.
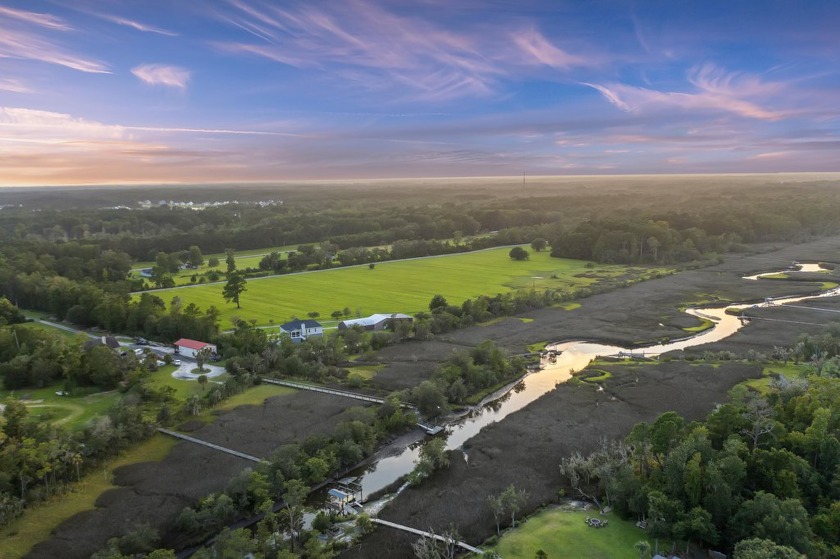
399	286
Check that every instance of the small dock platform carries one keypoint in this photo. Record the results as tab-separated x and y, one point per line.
430	430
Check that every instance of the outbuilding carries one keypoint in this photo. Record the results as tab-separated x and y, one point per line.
188	348
374	321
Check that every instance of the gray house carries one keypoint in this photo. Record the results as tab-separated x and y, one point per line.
299	330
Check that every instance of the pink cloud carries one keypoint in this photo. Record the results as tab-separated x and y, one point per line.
716	90
535	45
42	20
13	85
162	74
49	147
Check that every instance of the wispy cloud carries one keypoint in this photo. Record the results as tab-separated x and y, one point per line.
51	127
162	74
38	147
715	90
367	45
135	25
13	85
23	35
42	20
531	42
59	127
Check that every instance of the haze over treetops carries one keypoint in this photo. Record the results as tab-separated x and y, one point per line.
259	90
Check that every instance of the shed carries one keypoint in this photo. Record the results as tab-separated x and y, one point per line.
188	348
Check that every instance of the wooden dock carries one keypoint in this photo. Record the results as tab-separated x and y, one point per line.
230	451
462	545
333	391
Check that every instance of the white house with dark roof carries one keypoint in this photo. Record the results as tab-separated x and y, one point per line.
299	330
188	348
374	321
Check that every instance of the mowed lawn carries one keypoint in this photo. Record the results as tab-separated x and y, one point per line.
404	286
562	533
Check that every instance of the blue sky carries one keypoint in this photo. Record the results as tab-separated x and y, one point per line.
118	91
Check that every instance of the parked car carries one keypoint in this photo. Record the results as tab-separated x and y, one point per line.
177	362
161	363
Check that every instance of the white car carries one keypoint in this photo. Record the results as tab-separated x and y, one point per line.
161	363
177	362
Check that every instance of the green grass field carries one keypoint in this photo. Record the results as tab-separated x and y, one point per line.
561	533
400	286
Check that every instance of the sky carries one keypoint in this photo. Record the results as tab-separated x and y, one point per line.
169	91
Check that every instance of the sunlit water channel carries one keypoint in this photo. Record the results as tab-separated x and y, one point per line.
572	356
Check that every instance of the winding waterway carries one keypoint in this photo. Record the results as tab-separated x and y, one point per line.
573	356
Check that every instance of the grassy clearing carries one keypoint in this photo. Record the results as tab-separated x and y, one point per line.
244	259
588	375
241	257
72	411
364	372
36	524
183	389
790	370
562	533
400	286
704	325
254	396
536	348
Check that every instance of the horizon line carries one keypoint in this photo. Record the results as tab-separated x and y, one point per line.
268	182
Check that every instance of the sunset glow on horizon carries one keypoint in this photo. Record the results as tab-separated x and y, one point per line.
107	92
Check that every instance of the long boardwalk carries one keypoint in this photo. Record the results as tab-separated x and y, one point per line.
463	545
182	436
346	394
